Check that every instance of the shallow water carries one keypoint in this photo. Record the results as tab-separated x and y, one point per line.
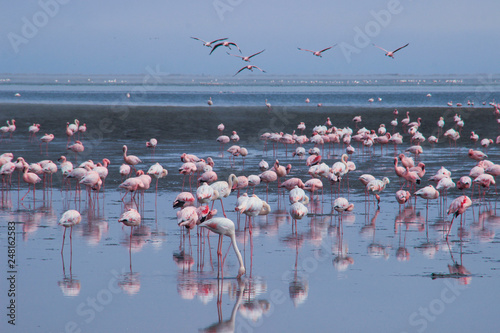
379	270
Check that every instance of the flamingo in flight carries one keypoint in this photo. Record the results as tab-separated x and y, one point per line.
208	44
250	67
247	59
317	53
226	44
391	53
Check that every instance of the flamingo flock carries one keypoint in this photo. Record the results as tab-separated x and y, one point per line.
331	160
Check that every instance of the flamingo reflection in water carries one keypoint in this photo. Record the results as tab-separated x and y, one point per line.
226	325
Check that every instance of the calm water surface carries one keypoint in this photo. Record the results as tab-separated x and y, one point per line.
384	270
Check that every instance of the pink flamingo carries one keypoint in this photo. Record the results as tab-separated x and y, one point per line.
297	212
77	147
224	188
247	59
342	205
31	179
391	53
224	227
458	207
131	160
46	139
33	129
183	199
268	177
131	218
69	219
317	53
249	67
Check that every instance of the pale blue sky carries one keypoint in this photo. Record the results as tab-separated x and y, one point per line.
117	37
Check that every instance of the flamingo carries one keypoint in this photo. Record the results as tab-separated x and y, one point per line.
225	227
247	59
125	170
376	186
131	160
69	219
391	53
402	196
249	67
31	179
226	44
33	129
317	53
183	199
131	218
477	155
224	188
458	207
46	139
209	44
253	180
152	143
77	147
210	102
268	105
297	212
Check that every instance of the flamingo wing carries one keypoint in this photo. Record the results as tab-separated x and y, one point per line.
216	46
306	50
234	45
242	68
256	54
327	48
402	47
381	48
234	55
260	69
199	39
218	40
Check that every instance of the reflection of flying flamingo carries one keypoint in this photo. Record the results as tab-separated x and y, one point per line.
317	53
69	219
225	227
391	53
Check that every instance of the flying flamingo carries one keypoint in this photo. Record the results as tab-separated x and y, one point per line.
209	44
226	44
317	53
391	53
249	67
224	227
69	219
247	59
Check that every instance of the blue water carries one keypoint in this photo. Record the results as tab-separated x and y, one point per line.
284	91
